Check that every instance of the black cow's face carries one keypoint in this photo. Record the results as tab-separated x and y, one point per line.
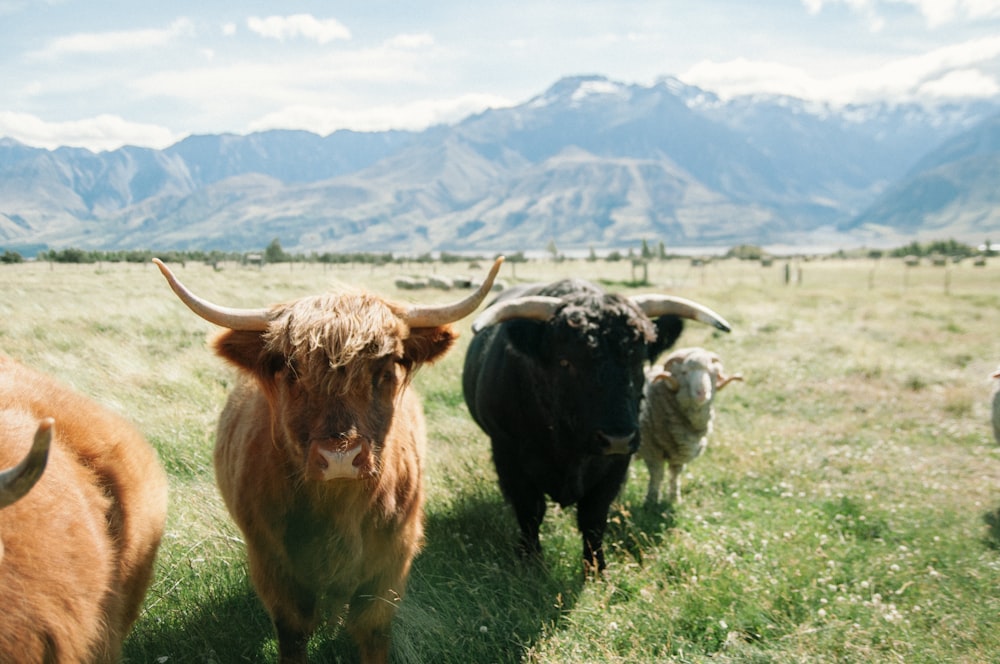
590	369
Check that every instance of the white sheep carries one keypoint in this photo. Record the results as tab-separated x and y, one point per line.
675	419
996	407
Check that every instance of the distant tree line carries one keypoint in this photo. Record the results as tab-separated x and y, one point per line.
942	248
74	255
274	253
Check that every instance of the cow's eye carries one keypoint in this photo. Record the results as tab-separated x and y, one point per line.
385	375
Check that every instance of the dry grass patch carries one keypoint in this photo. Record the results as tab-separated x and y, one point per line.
847	509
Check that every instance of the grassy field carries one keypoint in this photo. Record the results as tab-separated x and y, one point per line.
847	509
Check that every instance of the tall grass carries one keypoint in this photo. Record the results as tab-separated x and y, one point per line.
847	509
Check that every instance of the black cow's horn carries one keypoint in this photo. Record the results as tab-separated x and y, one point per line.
248	320
530	307
433	316
655	305
17	481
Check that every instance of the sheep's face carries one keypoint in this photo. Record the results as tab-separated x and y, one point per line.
696	378
694	375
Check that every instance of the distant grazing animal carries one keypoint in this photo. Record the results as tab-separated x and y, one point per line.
676	416
996	407
78	534
554	377
319	453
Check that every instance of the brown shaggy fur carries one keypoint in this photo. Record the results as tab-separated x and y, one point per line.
330	368
78	549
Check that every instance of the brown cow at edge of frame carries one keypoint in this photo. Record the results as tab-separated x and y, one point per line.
81	519
319	453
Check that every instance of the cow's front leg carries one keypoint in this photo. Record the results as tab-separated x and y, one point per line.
592	515
369	622
291	605
529	508
527	500
293	641
294	622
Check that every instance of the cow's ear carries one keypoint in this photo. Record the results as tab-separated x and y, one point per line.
426	344
247	351
668	329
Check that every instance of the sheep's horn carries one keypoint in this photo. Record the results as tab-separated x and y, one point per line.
726	380
654	376
666	377
250	320
17	481
433	316
655	305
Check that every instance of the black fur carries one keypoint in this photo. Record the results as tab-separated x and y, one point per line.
546	392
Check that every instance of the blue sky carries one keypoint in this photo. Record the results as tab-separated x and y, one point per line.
103	73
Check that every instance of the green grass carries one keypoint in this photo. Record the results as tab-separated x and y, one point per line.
847	509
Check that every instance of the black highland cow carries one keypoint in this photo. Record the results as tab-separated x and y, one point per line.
554	376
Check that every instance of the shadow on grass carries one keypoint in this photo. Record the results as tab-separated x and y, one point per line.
471	597
636	528
229	626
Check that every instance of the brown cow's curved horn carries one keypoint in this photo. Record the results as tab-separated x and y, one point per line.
433	316
530	307
17	481
250	320
655	305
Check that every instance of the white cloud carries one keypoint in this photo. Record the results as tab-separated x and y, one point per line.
952	71
941	12
103	132
742	76
961	83
864	8
282	81
936	13
410	41
114	42
298	25
413	115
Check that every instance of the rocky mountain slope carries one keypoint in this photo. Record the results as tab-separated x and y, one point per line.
588	163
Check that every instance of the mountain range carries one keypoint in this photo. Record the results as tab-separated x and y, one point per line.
588	163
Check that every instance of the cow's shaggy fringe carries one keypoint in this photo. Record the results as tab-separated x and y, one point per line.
342	332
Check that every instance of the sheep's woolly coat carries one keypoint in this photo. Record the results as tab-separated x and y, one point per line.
676	416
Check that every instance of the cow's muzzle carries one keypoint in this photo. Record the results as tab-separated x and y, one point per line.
626	444
330	460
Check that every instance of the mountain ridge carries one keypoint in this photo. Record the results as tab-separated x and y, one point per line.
588	162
